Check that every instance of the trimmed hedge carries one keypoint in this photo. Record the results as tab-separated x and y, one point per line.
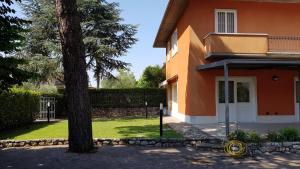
127	98
18	108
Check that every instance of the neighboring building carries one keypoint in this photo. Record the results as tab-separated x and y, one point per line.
258	41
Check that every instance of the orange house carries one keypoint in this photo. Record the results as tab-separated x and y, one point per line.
232	60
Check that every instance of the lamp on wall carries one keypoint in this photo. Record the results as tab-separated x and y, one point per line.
275	78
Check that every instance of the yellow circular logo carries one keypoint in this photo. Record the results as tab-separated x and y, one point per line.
235	148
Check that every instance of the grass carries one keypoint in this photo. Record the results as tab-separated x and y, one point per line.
108	128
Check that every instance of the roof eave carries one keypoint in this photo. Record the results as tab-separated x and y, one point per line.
172	14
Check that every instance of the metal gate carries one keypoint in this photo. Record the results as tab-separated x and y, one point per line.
46	102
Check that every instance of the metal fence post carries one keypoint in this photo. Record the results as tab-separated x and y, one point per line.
161	107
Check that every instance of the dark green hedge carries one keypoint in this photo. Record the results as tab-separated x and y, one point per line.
127	98
18	108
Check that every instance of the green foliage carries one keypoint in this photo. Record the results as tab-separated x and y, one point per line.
238	135
11	74
11	39
274	136
152	77
253	137
18	108
289	134
124	80
43	89
126	98
11	27
105	36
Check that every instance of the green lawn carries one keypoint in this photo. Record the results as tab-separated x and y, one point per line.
112	128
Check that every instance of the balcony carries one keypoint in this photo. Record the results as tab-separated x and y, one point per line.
251	46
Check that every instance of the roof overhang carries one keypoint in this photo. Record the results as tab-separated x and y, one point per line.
172	14
174	11
251	64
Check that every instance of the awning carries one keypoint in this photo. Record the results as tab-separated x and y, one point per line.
250	63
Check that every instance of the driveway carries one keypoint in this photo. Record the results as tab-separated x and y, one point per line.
136	158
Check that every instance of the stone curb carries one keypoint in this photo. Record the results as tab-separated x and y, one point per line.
164	142
202	144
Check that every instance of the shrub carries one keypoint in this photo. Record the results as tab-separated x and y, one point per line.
238	135
18	108
273	136
253	137
289	134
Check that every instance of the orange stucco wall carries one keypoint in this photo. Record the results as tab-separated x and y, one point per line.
196	89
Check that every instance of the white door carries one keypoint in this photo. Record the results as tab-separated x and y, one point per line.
174	98
242	99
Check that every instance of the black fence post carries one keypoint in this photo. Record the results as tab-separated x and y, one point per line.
146	104
161	107
48	111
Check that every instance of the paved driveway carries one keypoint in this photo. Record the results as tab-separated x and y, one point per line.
136	158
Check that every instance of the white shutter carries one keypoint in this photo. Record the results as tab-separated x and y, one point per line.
168	50
174	41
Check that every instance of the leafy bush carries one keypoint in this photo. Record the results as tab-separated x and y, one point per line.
253	137
274	136
18	108
238	135
289	134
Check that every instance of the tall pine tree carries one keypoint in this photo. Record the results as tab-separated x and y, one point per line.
11	39
105	37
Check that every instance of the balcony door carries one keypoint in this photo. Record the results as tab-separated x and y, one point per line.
242	99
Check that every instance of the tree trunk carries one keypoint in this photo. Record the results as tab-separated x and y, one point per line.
76	79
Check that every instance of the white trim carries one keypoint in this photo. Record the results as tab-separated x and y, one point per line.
276	119
226	11
194	119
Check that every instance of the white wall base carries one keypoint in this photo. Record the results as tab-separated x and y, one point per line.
194	119
276	119
213	119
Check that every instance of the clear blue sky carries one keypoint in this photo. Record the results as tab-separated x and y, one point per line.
147	14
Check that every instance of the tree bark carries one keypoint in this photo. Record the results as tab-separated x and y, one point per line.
76	79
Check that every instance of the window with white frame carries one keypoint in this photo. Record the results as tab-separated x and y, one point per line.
225	21
168	50
174	43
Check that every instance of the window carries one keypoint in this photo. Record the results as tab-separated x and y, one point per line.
243	93
168	50
222	92
226	21
174	41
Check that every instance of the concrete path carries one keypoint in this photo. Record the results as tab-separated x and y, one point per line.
217	130
136	158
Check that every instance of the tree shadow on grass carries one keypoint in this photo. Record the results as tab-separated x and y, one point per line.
12	133
146	131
